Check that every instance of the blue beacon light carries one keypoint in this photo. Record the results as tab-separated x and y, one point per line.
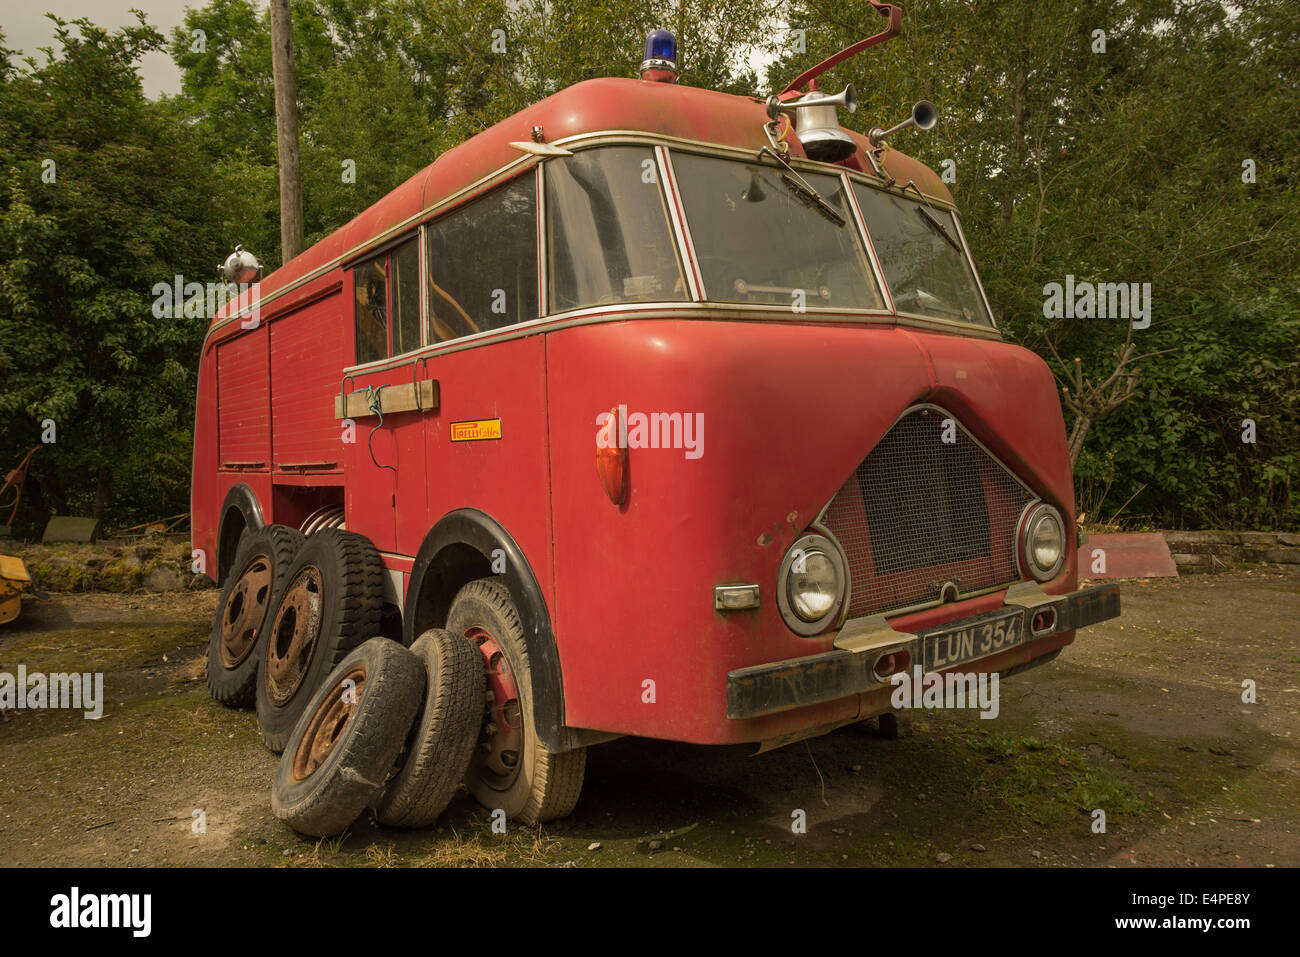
660	55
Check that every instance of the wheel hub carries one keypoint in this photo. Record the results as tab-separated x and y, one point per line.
245	610
294	635
501	738
327	723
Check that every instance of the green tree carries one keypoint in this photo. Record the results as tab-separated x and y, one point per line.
1125	164
101	200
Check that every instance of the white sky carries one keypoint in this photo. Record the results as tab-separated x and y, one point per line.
27	29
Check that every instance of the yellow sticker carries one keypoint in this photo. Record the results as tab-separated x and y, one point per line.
476	431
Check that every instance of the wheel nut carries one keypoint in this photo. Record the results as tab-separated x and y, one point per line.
490	728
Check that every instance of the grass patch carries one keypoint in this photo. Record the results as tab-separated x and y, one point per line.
1046	781
100	649
446	847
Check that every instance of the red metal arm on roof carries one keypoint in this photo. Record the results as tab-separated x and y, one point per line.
895	15
15	480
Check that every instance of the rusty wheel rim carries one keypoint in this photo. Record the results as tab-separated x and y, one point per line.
245	610
294	635
328	723
501	737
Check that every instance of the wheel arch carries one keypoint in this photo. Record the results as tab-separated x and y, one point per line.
239	511
459	549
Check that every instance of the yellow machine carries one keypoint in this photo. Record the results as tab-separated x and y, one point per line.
14	580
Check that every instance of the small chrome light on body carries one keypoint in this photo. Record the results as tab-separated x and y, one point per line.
812	585
735	597
1042	541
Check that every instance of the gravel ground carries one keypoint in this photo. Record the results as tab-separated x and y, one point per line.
1142	718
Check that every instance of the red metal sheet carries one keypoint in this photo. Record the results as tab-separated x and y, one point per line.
244	430
1136	555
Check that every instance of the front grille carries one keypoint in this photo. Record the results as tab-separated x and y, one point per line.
920	512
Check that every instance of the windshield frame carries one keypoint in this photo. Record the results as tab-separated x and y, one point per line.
849	178
661	147
920	201
874	274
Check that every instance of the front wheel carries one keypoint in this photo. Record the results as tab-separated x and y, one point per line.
511	769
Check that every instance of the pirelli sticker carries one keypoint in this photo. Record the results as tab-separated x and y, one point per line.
476	431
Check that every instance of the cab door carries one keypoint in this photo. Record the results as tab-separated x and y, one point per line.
385	401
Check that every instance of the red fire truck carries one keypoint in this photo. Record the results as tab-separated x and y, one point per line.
688	409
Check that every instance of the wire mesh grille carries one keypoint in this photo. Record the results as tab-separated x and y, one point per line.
920	512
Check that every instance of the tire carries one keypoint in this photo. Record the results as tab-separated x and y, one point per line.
538	786
438	751
342	747
330	603
237	639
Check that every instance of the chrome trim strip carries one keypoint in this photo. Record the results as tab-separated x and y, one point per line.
429	212
424	285
586	140
979	283
677	216
709	311
603	137
543	266
856	211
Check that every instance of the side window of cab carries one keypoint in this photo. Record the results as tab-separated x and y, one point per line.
482	262
386	302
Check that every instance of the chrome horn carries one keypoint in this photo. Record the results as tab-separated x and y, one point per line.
924	116
847	98
817	124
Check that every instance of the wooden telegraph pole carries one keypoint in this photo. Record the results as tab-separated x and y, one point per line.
286	129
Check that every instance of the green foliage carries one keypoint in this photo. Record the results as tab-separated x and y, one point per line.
1122	166
82	242
390	86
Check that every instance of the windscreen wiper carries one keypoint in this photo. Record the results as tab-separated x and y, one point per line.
803	188
938	227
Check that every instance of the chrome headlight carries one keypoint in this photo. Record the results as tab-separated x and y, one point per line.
812	585
1042	541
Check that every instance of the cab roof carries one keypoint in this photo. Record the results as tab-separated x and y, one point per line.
605	105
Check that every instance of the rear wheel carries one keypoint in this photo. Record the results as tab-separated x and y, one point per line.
236	641
511	769
330	604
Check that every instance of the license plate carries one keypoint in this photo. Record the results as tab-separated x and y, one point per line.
952	646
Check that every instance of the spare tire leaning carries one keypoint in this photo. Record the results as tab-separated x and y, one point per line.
347	739
329	605
440	745
237	640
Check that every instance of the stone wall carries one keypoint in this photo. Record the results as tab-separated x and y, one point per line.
155	564
1209	552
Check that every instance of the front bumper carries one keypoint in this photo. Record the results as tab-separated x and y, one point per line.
798	682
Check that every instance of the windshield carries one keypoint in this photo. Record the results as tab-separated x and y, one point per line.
758	238
608	231
921	255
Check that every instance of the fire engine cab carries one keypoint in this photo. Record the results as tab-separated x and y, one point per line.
686	411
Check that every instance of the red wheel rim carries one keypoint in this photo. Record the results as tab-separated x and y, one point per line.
327	723
294	635
245	610
501	738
